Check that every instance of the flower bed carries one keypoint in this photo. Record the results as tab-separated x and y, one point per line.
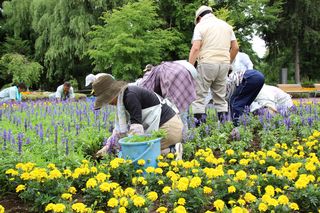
272	165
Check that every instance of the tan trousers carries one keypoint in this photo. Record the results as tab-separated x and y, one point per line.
173	127
211	76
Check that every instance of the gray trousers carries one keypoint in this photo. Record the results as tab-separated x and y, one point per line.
211	76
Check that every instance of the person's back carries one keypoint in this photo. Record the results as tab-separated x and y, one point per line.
13	93
242	62
216	36
8	93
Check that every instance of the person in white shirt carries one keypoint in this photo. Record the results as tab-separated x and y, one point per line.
214	47
64	92
13	93
272	98
242	62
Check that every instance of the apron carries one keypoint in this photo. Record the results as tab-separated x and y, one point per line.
151	117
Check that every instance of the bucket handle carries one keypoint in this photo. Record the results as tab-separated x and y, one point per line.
140	156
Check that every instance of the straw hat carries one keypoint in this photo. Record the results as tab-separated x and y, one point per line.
201	9
106	89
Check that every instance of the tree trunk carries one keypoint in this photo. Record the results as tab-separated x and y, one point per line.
297	63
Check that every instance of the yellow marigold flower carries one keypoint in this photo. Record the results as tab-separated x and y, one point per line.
100	211
162	209
160	157
51	166
302	182
138	201
181	201
55	174
183	184
122	210
129	192
79	207
105	187
241	175
237	209
150	169
244	162
20	188
2	209
49	207
207	190
12	172
112	202
262	162
180	209
209	211
231	189
174	163
166	189
195	182
152	196
278	190
101	177
231	202
139	171
93	169
229	152
59	207
160	182
67	173
85	161
170	155
269	190
310	166
141	162
282	199
124	202
242	202
294	206
158	171
231	172
66	196
263	207
115	163
91	183
218	204
118	192
250	197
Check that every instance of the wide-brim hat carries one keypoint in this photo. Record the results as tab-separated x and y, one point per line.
106	89
201	9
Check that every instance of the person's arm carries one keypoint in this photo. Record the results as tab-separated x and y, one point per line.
194	52
248	63
72	95
234	49
196	46
59	92
13	93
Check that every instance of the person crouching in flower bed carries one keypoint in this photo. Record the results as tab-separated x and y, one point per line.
139	111
243	86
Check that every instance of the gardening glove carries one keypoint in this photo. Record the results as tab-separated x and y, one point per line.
136	129
102	151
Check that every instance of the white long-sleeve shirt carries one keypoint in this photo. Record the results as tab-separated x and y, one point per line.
242	62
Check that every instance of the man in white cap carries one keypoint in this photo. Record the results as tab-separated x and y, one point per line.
214	47
91	78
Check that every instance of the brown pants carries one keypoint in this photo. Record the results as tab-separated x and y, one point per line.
173	127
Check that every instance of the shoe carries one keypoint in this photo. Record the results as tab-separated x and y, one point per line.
179	151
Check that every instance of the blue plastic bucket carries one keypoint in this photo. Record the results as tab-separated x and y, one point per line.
147	150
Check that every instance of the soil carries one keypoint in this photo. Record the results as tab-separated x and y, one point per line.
14	204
